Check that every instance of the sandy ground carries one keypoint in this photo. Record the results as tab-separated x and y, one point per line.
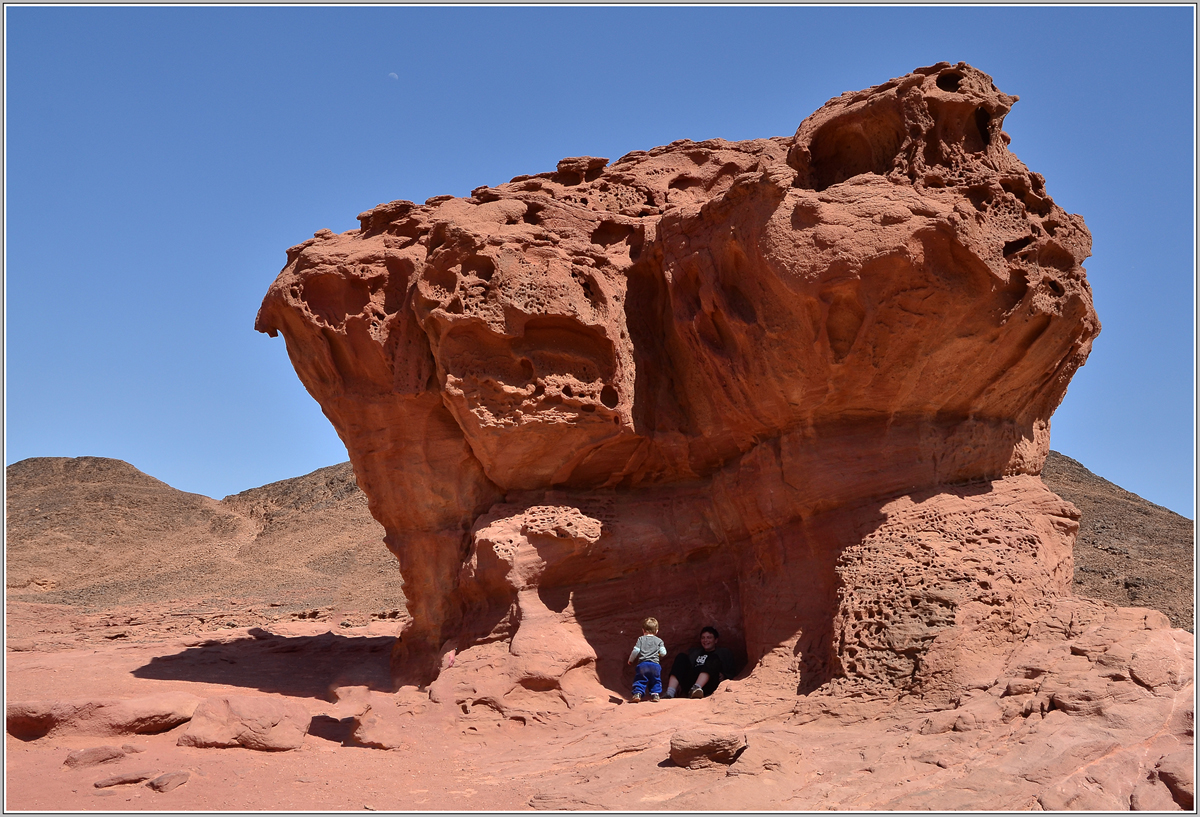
450	761
301	661
802	754
120	587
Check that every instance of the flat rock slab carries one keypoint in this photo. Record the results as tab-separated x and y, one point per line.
93	756
170	780
125	778
250	721
30	720
699	749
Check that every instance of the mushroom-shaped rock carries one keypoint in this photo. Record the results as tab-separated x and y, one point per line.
797	388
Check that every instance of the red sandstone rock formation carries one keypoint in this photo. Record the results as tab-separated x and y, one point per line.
29	720
253	721
798	388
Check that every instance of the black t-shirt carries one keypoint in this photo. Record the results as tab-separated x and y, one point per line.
702	661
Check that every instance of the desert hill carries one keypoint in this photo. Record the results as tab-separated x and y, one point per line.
1128	551
97	533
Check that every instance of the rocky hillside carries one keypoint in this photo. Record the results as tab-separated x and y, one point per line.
96	533
1129	551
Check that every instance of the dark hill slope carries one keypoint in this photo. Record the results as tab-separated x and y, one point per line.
1129	551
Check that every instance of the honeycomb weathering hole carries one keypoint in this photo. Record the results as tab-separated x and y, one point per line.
983	121
844	149
610	232
480	266
949	82
332	297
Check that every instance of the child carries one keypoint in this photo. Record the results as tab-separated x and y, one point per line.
646	653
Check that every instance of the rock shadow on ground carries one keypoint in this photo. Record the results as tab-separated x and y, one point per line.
297	666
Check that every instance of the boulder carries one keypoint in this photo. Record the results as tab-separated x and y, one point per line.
29	720
699	749
250	721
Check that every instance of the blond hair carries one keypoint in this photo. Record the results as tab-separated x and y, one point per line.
650	625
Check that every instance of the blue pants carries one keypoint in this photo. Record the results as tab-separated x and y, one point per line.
648	673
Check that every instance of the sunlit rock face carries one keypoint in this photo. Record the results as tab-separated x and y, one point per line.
795	387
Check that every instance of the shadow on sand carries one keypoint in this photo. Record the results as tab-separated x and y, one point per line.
300	666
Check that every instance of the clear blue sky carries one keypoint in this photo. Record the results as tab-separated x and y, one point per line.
160	161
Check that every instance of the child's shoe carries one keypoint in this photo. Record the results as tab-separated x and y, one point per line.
697	692
654	696
636	699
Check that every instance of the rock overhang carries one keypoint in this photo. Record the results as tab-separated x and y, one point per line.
884	303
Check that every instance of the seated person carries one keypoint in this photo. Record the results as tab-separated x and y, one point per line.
702	668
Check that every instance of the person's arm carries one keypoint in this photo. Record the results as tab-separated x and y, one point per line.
633	654
662	650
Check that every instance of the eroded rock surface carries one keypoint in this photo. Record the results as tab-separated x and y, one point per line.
29	720
798	388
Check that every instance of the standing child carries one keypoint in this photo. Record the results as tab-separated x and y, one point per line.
646	653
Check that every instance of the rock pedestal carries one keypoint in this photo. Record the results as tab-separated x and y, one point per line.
797	388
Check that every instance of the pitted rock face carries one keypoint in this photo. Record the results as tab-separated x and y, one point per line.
786	333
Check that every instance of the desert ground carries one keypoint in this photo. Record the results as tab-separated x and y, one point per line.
119	587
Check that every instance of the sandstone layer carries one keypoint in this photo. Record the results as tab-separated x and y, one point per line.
798	388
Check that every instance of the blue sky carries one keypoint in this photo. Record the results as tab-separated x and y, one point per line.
160	161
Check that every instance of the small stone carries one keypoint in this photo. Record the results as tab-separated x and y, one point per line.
168	781
694	749
129	748
93	756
